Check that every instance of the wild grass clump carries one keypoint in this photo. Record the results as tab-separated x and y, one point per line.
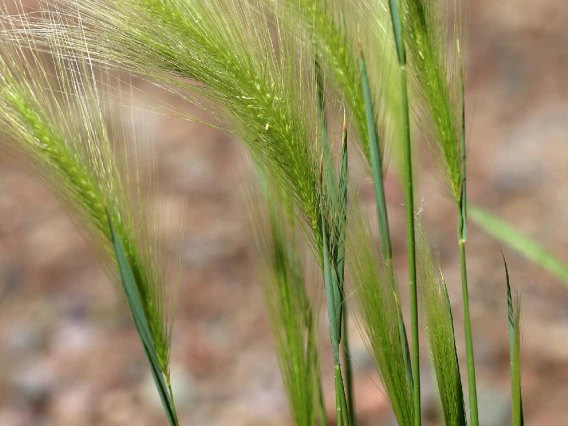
274	73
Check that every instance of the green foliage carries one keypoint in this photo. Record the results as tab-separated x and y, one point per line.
274	72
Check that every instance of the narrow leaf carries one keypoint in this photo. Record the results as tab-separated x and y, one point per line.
397	29
380	201
519	242
440	330
142	324
514	315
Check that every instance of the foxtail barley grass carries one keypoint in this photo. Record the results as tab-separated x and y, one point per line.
52	113
273	72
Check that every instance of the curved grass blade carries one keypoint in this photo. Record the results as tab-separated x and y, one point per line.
527	247
142	325
440	330
514	314
377	312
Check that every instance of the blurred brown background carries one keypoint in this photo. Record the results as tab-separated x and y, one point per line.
70	356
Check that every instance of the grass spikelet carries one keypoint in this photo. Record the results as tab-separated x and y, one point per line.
334	29
435	60
377	311
283	284
52	112
440	331
223	52
514	316
333	210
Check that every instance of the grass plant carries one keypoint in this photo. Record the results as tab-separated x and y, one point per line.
274	73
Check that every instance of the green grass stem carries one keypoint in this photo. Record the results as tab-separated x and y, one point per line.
348	368
514	316
462	237
409	202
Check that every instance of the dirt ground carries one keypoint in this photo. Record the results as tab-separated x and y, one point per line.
69	354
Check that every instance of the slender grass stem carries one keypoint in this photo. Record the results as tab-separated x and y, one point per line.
321	404
397	26
462	237
348	368
472	386
343	418
380	201
171	391
411	239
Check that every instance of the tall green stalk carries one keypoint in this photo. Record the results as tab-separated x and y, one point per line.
348	368
409	201
334	189
380	201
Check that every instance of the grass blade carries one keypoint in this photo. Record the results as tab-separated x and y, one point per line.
380	202
514	315
142	326
408	181
377	308
527	247
440	330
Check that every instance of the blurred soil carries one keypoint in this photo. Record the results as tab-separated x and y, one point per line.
69	354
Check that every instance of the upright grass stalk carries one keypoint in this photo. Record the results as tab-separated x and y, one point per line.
333	208
462	237
341	192
397	25
514	316
380	201
437	72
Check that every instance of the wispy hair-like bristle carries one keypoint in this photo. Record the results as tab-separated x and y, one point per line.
434	32
293	319
221	51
